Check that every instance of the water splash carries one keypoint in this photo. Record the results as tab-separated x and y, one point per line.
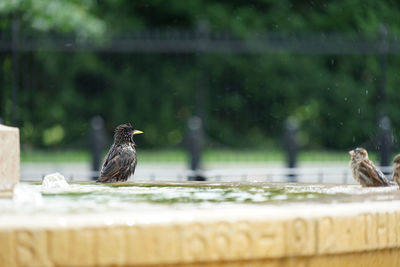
24	194
54	181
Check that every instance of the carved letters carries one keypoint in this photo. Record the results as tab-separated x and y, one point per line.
200	241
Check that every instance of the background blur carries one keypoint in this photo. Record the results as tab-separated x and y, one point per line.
254	72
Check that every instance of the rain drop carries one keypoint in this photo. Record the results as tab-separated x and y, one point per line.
345	99
328	88
359	110
366	92
354	139
332	61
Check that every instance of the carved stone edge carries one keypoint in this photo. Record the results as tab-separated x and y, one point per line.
214	241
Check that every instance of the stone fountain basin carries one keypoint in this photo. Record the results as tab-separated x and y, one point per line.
199	224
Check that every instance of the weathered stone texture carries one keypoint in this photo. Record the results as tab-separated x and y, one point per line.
9	159
361	240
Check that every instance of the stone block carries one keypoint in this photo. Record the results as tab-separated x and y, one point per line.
9	159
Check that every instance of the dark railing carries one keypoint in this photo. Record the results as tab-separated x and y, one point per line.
183	42
201	40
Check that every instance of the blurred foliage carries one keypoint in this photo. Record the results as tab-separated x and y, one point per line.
246	97
55	15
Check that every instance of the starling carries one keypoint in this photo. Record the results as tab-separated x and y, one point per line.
120	161
364	171
396	170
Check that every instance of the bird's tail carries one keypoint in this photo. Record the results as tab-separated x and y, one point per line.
101	179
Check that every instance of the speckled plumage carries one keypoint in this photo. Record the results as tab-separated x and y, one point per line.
396	170
364	171
120	162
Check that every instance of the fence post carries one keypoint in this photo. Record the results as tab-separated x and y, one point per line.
382	53
200	104
385	141
195	142
291	145
384	131
97	142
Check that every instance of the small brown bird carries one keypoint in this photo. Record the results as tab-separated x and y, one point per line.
120	161
396	170
364	171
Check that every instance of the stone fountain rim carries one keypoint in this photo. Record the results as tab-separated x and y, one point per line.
297	232
232	212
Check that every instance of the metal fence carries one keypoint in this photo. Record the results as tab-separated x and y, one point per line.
332	173
201	40
198	42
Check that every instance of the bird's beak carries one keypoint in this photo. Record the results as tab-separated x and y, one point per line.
137	132
351	152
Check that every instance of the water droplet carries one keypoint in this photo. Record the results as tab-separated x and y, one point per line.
366	92
345	99
359	110
354	139
328	89
341	123
332	61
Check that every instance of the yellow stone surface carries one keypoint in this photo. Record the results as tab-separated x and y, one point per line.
366	239
9	159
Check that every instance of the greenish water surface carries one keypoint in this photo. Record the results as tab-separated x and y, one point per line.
91	197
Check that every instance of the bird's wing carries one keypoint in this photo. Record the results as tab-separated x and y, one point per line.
395	172
376	177
116	162
133	165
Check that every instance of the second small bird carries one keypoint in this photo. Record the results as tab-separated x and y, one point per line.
396	170
364	171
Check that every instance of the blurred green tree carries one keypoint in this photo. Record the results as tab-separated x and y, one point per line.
45	16
247	96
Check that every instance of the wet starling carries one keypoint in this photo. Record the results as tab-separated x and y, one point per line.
396	170
364	171
120	161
